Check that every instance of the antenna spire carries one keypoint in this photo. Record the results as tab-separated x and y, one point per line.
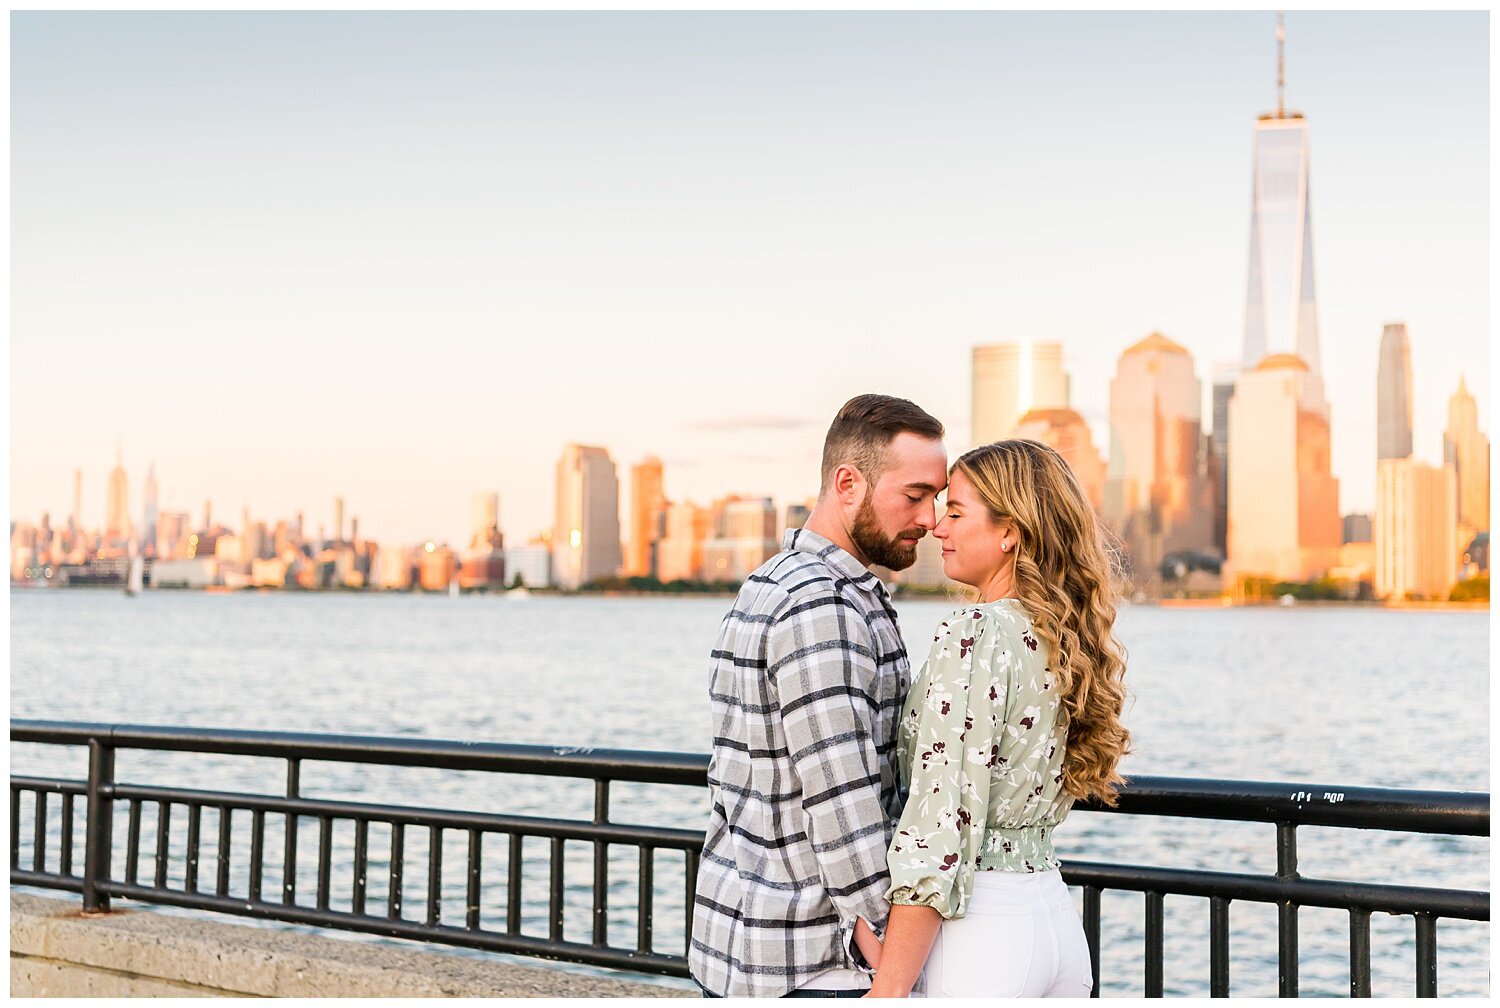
1280	65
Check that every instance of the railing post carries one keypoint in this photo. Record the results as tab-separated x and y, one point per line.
289	859
601	864
1286	910
99	840
1426	955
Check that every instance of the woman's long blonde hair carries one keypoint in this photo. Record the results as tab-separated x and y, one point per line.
1067	577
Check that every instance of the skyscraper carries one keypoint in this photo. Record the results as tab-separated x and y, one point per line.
1283	499
680	553
1157	496
744	537
1281	309
1225	375
1068	433
586	532
486	534
482	564
1467	450
1393	395
148	518
117	508
797	515
1009	380
647	517
1415	551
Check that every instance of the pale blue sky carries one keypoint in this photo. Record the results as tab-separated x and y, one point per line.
405	257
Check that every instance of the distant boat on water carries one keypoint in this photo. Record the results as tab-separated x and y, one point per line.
135	580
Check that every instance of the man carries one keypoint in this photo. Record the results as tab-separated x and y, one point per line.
809	675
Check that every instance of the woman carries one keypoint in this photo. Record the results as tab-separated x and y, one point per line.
1015	715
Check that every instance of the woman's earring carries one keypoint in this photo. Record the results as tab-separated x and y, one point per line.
1005	547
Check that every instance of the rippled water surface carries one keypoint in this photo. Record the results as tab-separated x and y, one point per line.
1312	697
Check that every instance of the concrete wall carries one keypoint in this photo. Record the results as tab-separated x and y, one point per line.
55	952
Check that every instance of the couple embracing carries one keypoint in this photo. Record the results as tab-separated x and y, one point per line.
872	833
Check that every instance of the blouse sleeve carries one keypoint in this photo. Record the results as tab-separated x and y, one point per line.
938	839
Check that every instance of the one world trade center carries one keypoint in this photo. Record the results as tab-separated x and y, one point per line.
1281	307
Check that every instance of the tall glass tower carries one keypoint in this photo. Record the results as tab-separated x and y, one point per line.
1281	308
1393	394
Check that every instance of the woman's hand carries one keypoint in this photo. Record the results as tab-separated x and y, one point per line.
887	989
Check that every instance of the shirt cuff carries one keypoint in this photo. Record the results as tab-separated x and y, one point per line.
926	892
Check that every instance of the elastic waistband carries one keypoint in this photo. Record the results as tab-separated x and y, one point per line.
998	878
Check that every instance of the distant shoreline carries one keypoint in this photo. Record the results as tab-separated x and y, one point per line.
1167	603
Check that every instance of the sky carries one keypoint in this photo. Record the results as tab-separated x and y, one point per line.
403	258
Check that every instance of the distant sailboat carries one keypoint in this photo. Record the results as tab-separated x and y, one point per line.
135	581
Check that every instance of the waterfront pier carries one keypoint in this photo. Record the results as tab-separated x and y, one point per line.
615	894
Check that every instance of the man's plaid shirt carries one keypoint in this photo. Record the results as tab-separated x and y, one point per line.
809	675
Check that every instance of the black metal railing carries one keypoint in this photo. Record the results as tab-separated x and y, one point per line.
1284	805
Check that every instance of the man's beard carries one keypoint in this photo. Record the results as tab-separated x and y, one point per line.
894	552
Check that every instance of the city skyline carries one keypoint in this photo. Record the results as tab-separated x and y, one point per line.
729	282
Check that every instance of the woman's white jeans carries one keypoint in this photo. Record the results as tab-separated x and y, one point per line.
1020	937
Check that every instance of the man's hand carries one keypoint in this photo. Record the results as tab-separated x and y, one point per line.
867	943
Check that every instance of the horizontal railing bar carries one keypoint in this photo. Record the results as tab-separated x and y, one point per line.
542	948
1465	813
51	784
46	880
1461	904
495	757
570	829
1462	813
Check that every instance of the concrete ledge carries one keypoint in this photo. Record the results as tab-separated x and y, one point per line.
55	952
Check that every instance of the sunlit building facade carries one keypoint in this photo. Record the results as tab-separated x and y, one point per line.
1068	433
1283	499
1467	451
486	522
1415	544
531	563
744	538
586	533
483	563
1158	496
680	552
1011	379
436	567
647	517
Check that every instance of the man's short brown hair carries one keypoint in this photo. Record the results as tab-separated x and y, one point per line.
864	429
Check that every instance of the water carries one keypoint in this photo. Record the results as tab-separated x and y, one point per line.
1315	697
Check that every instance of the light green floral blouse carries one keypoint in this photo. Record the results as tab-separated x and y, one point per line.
982	756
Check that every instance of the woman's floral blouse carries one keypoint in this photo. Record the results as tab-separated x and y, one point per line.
982	758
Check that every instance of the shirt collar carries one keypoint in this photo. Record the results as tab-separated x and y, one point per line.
804	541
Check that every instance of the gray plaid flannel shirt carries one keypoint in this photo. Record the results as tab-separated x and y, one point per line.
809	675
